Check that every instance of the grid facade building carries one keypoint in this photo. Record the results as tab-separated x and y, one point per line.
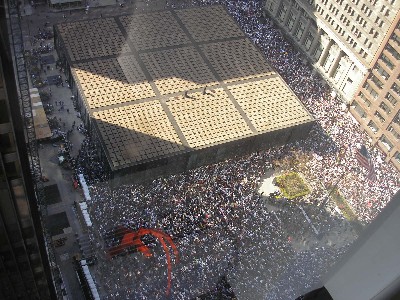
377	102
354	45
24	268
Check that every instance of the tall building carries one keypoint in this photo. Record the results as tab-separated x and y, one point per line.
377	102
354	45
24	267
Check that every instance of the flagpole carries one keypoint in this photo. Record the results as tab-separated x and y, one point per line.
335	186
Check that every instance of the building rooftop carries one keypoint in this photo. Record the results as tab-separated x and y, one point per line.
172	81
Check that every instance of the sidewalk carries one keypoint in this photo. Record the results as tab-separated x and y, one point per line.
42	17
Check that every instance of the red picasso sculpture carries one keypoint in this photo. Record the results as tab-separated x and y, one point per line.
133	238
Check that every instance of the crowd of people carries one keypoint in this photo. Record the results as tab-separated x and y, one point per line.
220	226
217	219
336	133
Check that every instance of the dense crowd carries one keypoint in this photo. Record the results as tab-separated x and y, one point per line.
220	224
88	161
336	134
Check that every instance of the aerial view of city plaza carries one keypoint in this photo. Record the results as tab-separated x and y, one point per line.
188	151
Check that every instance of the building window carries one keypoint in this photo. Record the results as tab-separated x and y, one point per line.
396	88
271	5
328	61
318	51
372	92
362	96
300	30
381	71
395	38
391	99
388	145
282	12
393	51
308	41
396	119
338	72
394	132
359	110
290	21
371	125
379	116
385	108
387	61
376	81
397	157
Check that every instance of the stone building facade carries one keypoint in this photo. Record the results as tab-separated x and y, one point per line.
353	44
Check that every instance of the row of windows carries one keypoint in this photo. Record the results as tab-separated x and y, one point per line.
395	88
365	9
395	38
374	128
392	100
394	132
291	20
392	51
387	61
361	21
376	81
371	90
385	141
301	25
379	116
385	108
397	157
333	10
389	97
385	75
